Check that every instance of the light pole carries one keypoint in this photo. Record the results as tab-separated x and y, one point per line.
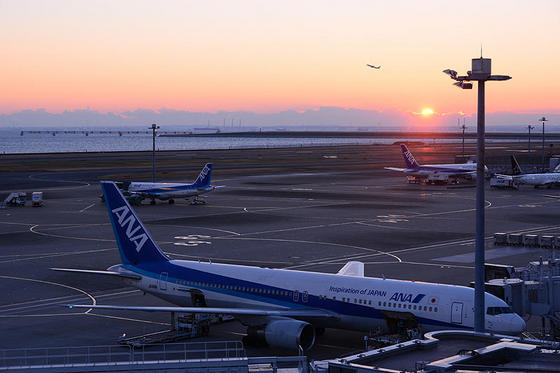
529	127
481	72
543	119
154	128
463	127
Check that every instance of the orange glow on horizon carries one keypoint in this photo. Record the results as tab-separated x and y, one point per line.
269	57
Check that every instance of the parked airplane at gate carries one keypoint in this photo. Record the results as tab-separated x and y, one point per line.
435	172
547	179
285	307
170	191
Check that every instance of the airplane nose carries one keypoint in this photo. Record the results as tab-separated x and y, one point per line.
518	325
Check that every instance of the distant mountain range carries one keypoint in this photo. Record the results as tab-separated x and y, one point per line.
333	118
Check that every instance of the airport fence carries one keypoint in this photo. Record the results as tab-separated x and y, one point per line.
113	354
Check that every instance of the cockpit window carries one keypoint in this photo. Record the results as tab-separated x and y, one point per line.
498	310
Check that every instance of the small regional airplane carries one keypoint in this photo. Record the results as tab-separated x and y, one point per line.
434	173
547	179
285	308
170	191
373	67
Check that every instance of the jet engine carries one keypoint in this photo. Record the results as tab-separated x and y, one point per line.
283	333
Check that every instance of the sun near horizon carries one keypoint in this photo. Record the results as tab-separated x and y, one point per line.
426	112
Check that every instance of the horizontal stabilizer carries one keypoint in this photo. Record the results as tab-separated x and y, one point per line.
228	311
94	272
354	269
395	169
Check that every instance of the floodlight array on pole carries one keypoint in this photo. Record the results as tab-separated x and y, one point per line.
481	72
543	119
154	128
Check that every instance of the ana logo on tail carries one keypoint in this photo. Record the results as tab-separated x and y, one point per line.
132	226
204	172
409	157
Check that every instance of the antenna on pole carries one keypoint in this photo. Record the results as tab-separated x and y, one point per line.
480	50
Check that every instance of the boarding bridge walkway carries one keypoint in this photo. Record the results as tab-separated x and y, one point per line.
223	357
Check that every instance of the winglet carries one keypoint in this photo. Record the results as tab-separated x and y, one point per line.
353	268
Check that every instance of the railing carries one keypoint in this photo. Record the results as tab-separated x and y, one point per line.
121	354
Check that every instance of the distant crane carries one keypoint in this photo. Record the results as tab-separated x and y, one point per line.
373	67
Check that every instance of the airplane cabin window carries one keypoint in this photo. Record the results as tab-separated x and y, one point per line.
430	309
435	309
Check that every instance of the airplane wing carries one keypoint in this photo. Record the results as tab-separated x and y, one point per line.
506	177
395	169
459	173
94	272
229	311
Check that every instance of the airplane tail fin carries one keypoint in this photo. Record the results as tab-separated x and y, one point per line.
515	166
133	239
205	175
408	157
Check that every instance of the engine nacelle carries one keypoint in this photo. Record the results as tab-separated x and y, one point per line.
285	333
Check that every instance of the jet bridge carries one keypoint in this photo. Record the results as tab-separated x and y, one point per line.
533	290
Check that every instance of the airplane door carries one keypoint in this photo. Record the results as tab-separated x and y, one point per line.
457	313
163	281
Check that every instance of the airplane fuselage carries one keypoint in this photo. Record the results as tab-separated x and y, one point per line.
168	190
538	179
448	169
358	303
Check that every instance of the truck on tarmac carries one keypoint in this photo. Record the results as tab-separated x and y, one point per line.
37	199
503	183
15	199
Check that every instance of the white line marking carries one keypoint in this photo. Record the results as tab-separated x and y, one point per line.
90	206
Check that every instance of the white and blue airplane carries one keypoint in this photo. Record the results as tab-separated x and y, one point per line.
170	191
435	172
286	307
546	179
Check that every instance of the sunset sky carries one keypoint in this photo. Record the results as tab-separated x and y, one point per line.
265	56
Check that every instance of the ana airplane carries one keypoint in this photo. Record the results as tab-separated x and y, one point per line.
284	308
170	191
373	67
435	172
547	179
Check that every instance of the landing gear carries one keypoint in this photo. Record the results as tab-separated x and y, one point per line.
153	202
171	201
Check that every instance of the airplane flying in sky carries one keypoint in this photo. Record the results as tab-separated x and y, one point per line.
373	67
170	191
435	172
547	179
285	307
